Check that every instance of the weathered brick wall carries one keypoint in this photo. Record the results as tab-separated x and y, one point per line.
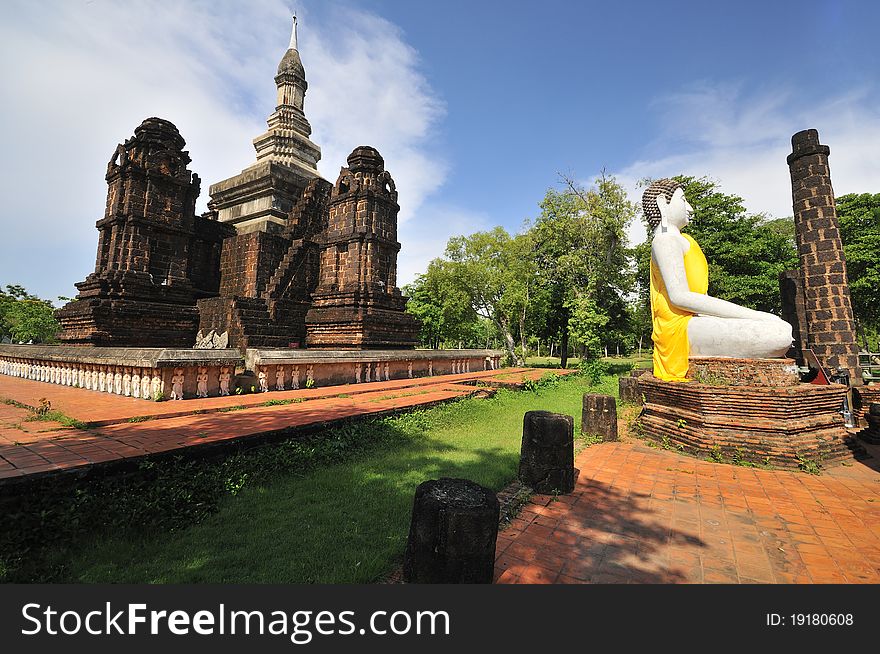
726	371
830	328
267	279
206	249
248	262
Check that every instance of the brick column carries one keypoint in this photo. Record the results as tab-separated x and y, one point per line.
830	328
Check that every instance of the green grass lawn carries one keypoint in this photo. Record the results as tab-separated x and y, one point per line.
341	523
615	363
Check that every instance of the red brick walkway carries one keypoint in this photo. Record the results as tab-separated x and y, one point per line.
643	515
37	447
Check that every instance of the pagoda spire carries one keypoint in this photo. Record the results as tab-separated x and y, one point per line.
293	45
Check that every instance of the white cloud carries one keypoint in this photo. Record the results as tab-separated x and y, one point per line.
741	140
80	76
426	239
365	88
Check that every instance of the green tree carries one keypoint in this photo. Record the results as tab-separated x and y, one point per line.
491	270
859	216
443	307
582	262
25	317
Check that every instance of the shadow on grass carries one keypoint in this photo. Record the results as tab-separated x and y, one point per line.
344	523
349	524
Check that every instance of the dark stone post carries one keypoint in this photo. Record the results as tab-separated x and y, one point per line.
452	533
599	416
546	461
830	328
791	293
628	390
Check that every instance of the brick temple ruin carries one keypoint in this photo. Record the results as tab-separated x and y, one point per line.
156	258
287	278
758	410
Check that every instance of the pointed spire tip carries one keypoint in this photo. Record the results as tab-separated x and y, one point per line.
293	45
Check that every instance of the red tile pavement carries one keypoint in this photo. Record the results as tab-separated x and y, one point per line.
36	447
105	408
644	515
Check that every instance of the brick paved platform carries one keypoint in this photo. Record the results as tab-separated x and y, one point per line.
644	515
125	428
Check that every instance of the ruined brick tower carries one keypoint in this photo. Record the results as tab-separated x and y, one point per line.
263	194
155	256
829	328
357	303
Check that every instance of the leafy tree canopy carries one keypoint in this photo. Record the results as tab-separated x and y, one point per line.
859	216
25	317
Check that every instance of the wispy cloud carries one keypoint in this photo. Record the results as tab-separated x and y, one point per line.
79	77
741	139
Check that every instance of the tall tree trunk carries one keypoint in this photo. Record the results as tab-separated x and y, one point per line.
563	347
522	325
509	341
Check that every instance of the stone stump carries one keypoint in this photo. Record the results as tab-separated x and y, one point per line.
546	461
452	533
872	433
628	389
599	416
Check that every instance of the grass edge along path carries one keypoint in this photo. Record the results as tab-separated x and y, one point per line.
337	512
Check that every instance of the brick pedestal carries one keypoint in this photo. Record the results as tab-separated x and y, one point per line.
782	426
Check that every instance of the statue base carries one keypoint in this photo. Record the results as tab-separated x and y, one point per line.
719	416
727	371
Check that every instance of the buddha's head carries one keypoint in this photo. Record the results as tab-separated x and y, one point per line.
664	198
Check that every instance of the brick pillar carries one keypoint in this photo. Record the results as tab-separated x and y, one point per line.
830	328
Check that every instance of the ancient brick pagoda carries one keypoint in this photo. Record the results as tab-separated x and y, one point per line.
307	266
155	256
357	303
182	305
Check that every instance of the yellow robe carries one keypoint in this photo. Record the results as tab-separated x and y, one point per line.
670	323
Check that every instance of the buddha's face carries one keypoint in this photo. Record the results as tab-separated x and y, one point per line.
677	211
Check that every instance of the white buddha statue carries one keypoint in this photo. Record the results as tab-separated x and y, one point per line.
687	321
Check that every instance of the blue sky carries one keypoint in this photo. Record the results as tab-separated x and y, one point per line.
475	105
